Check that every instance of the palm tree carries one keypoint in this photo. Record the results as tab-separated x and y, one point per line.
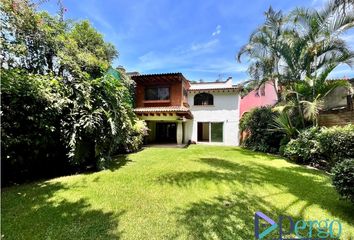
306	43
341	5
316	36
300	51
261	48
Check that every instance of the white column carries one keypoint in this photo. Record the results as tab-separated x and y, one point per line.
179	133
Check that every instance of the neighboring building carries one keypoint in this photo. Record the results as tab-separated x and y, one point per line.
178	111
264	96
338	107
339	98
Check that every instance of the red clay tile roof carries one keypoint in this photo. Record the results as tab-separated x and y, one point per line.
161	109
159	76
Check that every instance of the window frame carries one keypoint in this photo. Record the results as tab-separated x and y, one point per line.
157	87
210	132
210	100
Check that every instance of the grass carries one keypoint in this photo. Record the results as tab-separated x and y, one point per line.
196	193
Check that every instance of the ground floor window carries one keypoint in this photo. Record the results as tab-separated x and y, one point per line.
210	131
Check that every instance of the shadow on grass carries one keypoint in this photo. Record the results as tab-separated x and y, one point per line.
229	217
117	162
254	154
32	212
305	184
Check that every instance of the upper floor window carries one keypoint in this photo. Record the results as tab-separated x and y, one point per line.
203	99
157	93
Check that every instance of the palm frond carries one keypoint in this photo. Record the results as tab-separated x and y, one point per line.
312	109
282	123
330	85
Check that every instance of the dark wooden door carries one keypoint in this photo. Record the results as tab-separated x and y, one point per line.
200	131
166	132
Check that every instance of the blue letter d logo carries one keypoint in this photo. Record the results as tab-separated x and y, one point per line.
261	235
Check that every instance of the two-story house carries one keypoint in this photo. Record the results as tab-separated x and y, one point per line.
177	110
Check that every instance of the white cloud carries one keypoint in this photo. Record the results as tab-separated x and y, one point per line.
147	57
176	58
206	46
96	16
217	30
188	62
219	66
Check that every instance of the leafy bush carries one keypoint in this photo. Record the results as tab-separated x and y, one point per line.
322	146
50	127
258	125
66	109
32	106
305	148
135	140
337	142
343	178
102	119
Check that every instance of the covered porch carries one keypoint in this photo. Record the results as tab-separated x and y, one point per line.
166	124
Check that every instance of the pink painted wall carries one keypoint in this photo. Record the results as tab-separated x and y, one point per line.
258	98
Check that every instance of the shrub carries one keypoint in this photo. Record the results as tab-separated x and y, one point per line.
31	145
337	142
322	146
258	124
305	148
135	140
343	178
63	107
51	128
101	121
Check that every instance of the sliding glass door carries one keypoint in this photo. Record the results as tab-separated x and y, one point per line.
210	131
216	131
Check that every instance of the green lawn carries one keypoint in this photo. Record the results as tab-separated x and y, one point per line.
200	192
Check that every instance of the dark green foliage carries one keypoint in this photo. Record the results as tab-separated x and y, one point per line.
258	126
298	51
305	148
100	121
51	128
343	178
337	142
66	109
31	145
322	147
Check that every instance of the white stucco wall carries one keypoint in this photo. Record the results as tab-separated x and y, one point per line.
225	109
207	85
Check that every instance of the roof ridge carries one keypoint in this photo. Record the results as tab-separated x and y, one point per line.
158	74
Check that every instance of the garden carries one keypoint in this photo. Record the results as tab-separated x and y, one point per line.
73	162
296	52
199	192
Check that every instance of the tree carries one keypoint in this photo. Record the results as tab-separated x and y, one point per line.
42	43
262	49
300	51
63	102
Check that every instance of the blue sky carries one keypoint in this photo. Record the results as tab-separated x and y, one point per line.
196	37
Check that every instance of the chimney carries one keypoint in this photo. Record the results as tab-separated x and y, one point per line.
229	81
